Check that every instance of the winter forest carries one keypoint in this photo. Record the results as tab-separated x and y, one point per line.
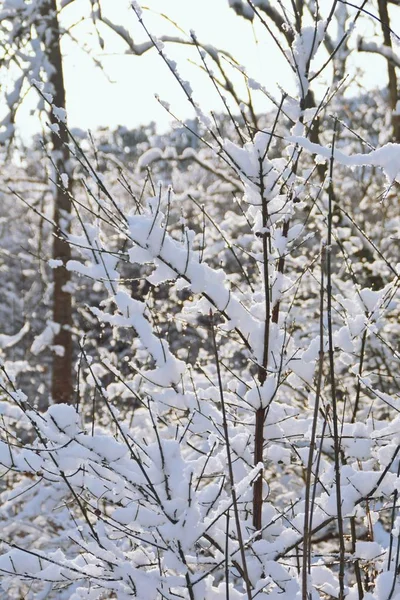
199	332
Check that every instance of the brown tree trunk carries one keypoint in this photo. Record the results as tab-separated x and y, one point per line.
387	40
61	385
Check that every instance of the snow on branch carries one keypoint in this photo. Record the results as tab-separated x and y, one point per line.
374	48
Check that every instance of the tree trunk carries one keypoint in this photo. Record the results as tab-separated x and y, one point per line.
393	95
61	385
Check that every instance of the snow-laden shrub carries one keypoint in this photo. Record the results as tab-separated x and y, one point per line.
262	461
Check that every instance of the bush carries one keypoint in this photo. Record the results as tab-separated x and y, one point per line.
236	432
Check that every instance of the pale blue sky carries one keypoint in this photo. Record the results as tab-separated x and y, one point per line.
93	101
130	100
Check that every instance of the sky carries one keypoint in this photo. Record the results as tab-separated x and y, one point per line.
92	100
122	92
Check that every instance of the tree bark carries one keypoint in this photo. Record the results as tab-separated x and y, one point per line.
393	94
61	385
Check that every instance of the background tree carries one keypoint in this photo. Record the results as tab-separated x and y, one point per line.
387	51
32	48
